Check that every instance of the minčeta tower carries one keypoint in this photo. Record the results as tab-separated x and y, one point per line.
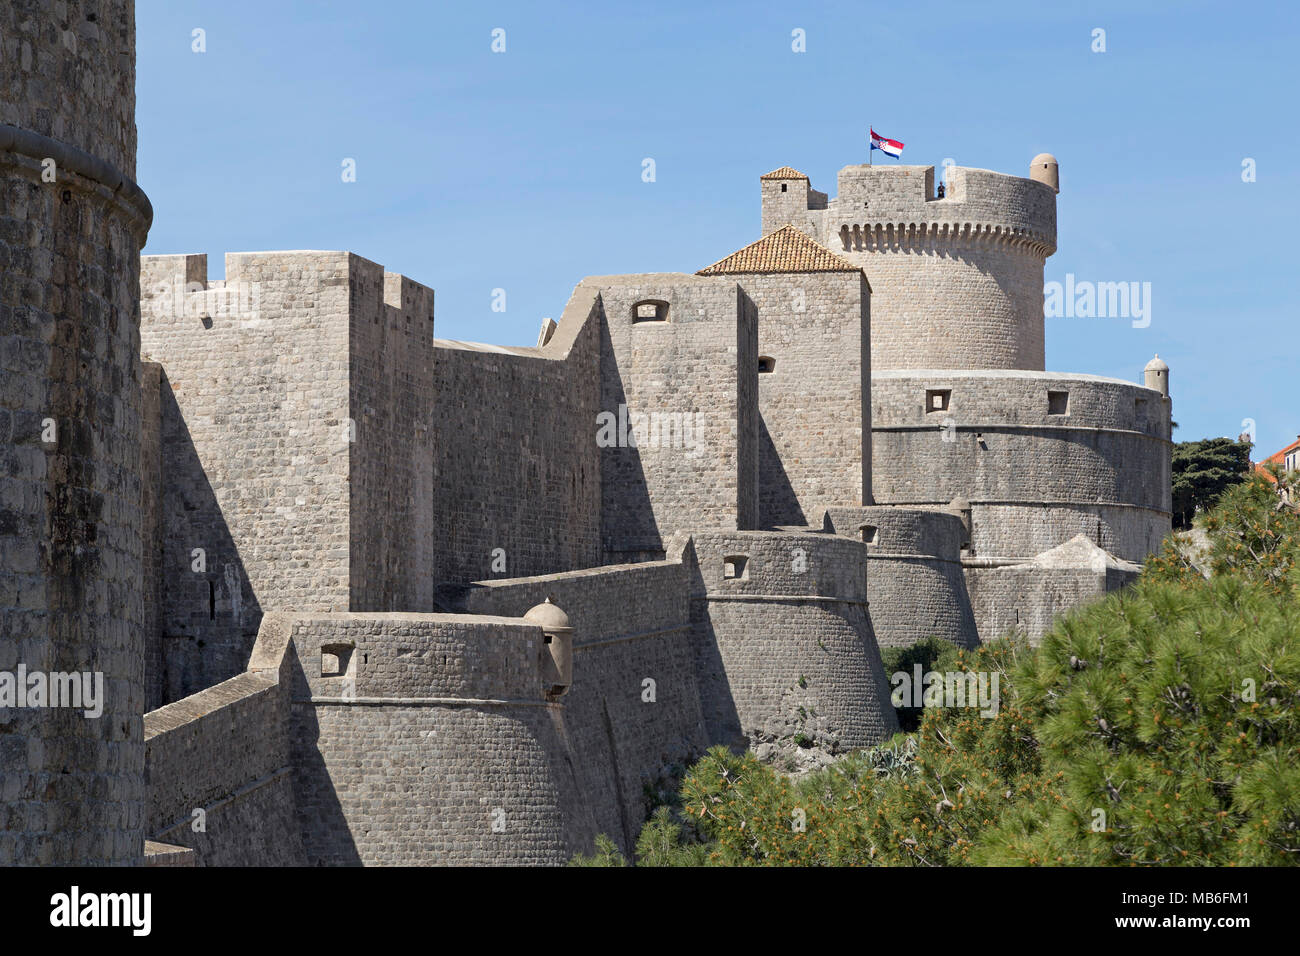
964	416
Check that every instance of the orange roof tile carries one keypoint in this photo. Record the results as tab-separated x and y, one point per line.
786	250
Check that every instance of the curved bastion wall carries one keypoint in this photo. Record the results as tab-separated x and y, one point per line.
785	647
1040	456
423	739
71	226
915	585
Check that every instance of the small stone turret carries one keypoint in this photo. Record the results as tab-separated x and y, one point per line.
557	665
1156	376
1043	168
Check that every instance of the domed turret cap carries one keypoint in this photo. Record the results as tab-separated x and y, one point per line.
1157	364
1043	168
548	617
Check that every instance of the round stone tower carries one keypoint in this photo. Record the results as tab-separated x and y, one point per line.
73	221
957	279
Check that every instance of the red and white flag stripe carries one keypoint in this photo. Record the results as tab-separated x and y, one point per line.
890	147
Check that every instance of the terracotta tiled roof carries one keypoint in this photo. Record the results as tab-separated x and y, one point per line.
786	250
1276	458
785	172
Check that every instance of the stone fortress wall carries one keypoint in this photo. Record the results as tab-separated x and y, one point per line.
786	647
814	426
72	223
961	408
683	351
390	599
734	510
515	466
916	585
257	449
1039	456
634	711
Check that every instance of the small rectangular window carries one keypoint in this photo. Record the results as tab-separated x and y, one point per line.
870	534
335	659
735	567
650	310
1058	403
936	399
766	363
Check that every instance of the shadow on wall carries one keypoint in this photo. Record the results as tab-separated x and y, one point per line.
718	706
629	531
778	503
322	824
209	616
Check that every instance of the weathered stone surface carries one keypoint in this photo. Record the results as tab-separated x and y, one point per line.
71	785
304	533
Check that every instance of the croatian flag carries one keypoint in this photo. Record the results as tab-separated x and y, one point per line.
890	147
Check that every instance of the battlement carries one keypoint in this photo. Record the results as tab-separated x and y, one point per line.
976	203
957	279
888	205
177	287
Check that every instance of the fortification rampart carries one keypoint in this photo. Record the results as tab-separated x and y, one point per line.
390	440
634	708
423	739
294	421
219	775
915	585
813	392
784	643
1040	456
517	467
1026	598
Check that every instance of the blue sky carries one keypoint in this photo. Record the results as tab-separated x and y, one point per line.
522	170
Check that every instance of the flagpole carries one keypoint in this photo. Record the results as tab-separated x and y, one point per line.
870	150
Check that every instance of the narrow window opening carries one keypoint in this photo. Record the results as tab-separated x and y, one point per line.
766	363
870	534
735	567
936	399
783	187
1058	403
650	310
212	601
335	659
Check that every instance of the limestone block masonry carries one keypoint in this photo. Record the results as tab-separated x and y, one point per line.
786	649
1040	456
72	223
362	596
916	586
